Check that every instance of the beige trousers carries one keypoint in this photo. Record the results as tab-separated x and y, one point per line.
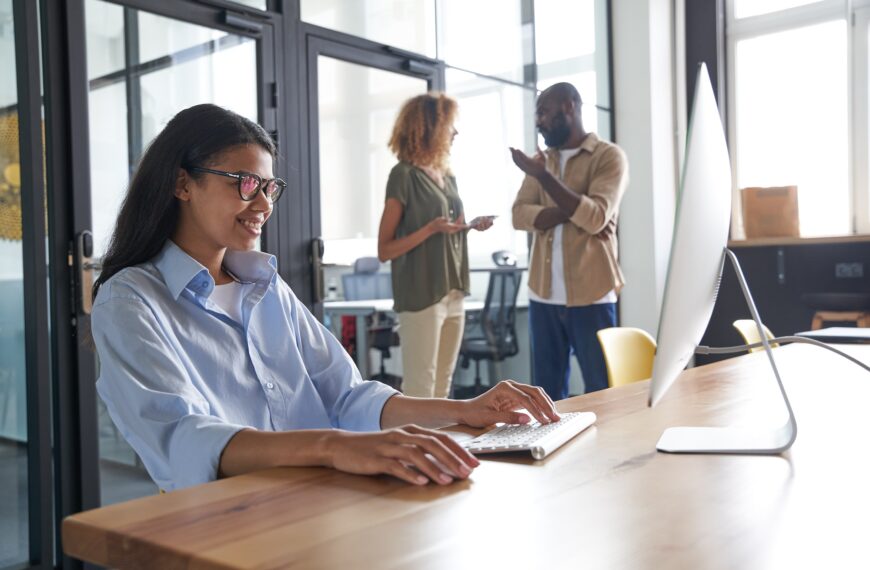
430	342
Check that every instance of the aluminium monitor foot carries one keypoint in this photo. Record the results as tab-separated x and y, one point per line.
736	440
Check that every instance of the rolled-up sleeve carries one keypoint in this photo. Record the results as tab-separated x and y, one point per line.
151	399
353	403
606	189
527	205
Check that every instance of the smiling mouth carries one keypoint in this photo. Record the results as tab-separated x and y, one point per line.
251	225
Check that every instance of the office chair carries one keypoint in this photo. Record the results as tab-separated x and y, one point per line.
366	283
491	334
749	332
628	354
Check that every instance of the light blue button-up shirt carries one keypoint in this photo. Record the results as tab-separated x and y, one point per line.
180	377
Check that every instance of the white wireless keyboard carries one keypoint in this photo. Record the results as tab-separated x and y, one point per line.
540	439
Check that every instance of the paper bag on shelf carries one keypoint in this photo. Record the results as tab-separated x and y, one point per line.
771	212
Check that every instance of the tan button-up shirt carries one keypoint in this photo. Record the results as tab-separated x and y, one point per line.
599	175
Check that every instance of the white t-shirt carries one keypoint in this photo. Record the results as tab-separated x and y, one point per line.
230	297
558	293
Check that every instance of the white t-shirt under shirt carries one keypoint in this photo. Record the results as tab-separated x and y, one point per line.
230	297
558	294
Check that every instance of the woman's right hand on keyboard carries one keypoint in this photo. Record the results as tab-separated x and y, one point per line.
501	402
411	453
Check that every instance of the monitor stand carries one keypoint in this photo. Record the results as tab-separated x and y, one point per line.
736	440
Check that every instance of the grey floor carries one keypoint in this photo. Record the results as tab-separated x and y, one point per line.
118	482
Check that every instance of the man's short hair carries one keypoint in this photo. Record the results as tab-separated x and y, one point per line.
565	91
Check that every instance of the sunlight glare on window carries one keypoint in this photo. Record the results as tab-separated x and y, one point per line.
748	8
791	113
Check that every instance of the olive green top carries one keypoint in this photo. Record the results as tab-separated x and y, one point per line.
424	275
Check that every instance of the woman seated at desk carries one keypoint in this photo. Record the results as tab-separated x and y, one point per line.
209	364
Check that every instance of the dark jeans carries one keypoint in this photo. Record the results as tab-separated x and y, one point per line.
556	331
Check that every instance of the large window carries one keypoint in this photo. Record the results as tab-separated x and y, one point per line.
798	107
357	106
571	44
495	80
406	25
490	120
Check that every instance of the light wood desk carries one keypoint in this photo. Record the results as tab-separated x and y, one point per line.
605	500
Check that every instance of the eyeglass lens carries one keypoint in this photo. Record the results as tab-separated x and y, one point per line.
250	183
248	186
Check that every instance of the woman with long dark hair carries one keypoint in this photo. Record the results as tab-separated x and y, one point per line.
209	364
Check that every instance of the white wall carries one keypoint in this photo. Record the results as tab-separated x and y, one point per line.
646	128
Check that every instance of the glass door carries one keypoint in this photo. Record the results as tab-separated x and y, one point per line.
25	420
142	68
355	93
14	514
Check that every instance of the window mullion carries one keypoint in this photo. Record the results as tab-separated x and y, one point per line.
860	120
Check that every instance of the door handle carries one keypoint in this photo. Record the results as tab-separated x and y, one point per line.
316	258
85	268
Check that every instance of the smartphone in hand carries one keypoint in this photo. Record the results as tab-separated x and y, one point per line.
479	220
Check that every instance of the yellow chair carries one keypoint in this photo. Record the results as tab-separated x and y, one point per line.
628	354
749	332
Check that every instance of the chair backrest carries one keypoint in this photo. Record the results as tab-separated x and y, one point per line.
498	318
366	265
628	354
749	332
365	282
504	258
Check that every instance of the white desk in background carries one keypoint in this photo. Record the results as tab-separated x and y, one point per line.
334	310
841	335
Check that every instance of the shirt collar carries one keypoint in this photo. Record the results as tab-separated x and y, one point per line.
251	266
589	144
180	271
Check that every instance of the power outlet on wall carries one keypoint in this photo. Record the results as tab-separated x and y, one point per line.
849	270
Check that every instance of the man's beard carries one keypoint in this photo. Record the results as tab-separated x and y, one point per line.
558	133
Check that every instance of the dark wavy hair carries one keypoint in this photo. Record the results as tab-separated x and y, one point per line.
195	137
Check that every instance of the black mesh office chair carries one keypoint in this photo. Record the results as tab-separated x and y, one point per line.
491	334
366	283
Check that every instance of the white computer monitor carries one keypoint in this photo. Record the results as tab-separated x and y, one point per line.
698	253
700	235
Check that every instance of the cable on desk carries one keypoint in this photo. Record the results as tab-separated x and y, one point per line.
779	340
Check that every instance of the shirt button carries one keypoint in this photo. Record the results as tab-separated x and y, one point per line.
269	385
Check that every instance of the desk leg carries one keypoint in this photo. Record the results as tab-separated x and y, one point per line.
334	324
362	347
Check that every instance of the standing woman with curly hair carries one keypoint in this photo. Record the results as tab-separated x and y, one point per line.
423	233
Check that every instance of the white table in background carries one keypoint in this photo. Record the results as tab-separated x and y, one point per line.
334	310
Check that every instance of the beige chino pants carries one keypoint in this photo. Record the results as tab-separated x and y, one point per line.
430	342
